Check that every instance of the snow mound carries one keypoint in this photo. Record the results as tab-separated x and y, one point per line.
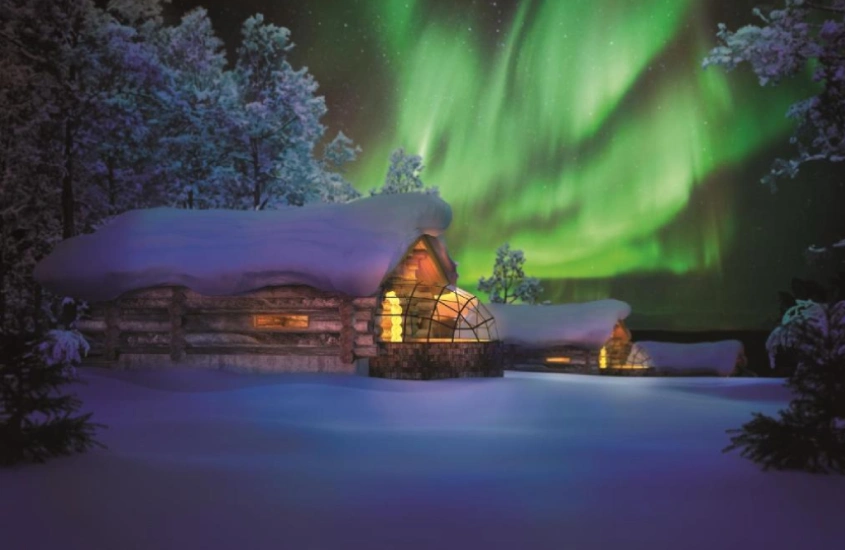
347	247
699	358
587	324
215	460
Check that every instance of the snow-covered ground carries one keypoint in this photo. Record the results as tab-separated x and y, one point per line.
208	459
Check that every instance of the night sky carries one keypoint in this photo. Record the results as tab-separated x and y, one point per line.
585	133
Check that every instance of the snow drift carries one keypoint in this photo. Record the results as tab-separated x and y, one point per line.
587	324
333	247
215	460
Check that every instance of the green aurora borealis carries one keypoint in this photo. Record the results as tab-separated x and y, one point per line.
584	132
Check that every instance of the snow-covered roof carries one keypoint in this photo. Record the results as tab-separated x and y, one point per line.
587	324
348	248
699	358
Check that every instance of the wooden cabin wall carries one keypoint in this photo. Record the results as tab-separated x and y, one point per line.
175	325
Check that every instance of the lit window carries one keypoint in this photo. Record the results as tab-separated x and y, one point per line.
284	321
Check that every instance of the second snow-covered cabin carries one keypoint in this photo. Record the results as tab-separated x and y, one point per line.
587	337
318	288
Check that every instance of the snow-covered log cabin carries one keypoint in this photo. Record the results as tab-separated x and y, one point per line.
315	289
587	337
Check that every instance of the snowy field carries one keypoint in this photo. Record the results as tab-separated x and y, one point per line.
208	460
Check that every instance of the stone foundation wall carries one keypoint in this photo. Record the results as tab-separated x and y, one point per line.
436	360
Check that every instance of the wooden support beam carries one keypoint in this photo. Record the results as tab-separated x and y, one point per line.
177	330
112	343
347	331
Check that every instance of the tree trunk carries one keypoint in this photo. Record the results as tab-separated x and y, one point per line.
256	172
67	185
38	300
2	277
112	186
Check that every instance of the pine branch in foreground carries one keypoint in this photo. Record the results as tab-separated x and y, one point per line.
37	421
809	434
781	444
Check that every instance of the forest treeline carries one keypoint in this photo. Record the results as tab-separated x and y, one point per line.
105	108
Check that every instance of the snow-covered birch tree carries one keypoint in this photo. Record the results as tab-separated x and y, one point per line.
123	131
196	122
508	282
802	36
403	175
277	115
332	184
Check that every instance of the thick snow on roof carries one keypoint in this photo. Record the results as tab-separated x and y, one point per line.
588	324
700	358
347	247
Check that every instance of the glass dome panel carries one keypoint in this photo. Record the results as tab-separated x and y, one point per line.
429	313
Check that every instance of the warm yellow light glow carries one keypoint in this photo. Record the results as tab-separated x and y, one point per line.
280	321
603	358
558	360
449	304
392	324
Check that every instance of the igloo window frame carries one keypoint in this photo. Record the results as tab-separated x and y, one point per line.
412	295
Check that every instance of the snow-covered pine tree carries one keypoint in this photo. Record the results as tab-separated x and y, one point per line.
57	41
508	282
810	433
123	130
30	163
337	154
78	89
196	123
403	175
277	116
37	420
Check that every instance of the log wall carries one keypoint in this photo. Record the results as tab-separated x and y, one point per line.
175	325
581	360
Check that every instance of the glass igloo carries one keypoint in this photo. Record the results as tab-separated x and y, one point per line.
428	313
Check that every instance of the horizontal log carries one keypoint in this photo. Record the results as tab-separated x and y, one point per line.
145	303
318	321
152	293
145	314
91	325
144	326
263	350
97	310
365	302
363	315
136	339
156	350
238	303
362	327
366	351
364	340
285	339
